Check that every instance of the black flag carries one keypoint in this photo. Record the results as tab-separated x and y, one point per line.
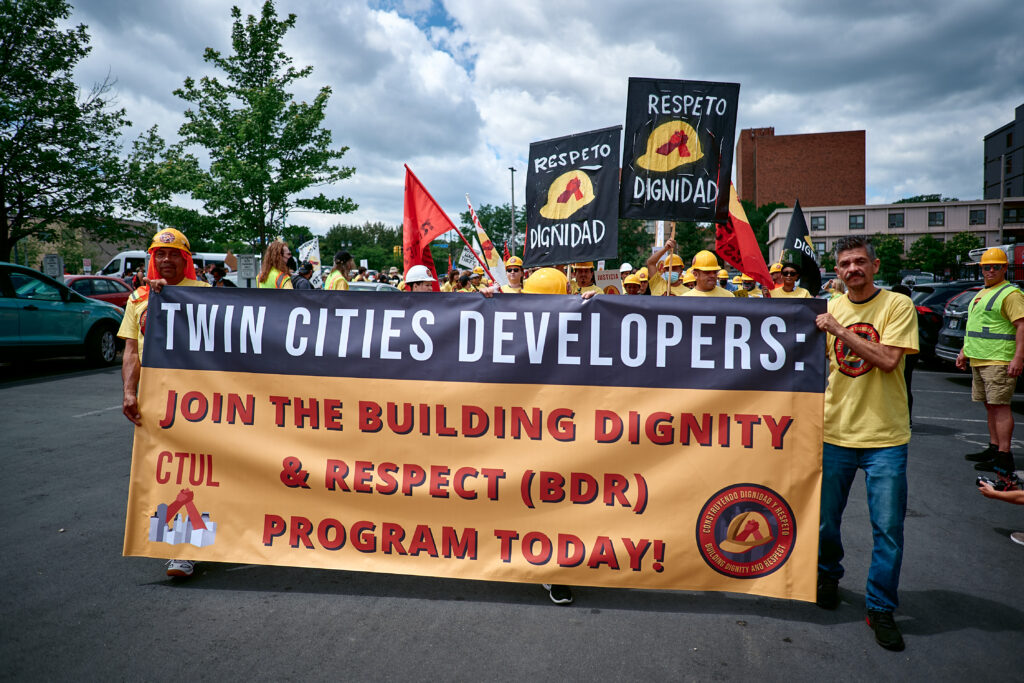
801	251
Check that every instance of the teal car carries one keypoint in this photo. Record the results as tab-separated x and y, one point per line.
40	317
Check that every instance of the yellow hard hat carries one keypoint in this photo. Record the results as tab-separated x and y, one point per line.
737	280
642	274
723	274
705	260
672	261
567	194
545	281
670	145
776	268
584	265
632	280
995	256
746	278
689	277
513	261
169	237
477	271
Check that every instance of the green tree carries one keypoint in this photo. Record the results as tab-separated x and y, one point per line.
634	243
758	218
264	148
922	198
889	249
59	165
958	248
928	254
374	242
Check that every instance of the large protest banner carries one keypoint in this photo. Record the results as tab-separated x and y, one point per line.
572	198
677	153
654	443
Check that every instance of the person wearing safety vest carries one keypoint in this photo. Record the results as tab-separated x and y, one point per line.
170	263
584	273
336	280
776	272
790	273
669	273
705	269
994	345
514	270
275	273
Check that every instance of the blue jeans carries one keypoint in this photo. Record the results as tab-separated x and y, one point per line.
885	472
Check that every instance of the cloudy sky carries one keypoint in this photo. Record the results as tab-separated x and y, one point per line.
458	89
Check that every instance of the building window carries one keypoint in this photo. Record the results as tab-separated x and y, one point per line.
1009	164
1011	216
817	222
856	221
820	248
936	219
1009	140
896	220
977	217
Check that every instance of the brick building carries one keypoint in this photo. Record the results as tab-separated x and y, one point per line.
819	169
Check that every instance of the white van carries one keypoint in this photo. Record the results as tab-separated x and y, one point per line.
130	260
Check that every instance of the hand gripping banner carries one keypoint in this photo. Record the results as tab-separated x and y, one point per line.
677	153
638	442
572	198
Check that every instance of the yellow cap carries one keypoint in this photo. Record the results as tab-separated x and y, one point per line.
514	261
672	261
705	260
994	256
776	268
169	237
723	274
545	281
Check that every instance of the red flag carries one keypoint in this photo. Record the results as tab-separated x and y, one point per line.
424	220
507	255
735	242
449	262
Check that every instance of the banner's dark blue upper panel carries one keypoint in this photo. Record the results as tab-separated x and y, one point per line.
626	341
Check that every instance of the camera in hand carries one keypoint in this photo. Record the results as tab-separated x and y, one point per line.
1010	483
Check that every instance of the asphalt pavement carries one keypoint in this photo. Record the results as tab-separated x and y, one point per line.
74	608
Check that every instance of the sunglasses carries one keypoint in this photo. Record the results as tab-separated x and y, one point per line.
790	273
513	270
990	268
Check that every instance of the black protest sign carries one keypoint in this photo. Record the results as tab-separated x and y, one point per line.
678	150
571	198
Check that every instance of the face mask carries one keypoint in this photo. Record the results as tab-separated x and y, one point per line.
673	277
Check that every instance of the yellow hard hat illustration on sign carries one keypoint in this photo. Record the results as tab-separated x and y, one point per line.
569	193
671	145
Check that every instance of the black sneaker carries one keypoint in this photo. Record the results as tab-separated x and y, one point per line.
982	456
887	633
1001	462
828	592
560	595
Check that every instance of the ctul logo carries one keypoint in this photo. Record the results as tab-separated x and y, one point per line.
850	364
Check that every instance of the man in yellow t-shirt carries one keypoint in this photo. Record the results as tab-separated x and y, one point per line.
790	273
705	270
994	344
170	263
867	426
584	278
666	276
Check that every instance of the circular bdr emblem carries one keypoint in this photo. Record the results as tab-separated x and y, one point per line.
745	531
850	364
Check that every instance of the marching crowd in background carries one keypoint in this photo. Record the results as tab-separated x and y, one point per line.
870	334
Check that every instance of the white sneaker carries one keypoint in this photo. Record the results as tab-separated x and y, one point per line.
180	568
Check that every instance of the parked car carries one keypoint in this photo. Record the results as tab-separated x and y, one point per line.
951	336
930	301
40	317
371	287
110	289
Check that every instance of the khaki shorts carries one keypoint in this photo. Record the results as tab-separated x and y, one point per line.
992	385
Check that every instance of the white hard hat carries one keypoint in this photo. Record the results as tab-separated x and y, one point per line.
624	267
418	274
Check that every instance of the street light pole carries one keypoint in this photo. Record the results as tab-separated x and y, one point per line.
513	215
